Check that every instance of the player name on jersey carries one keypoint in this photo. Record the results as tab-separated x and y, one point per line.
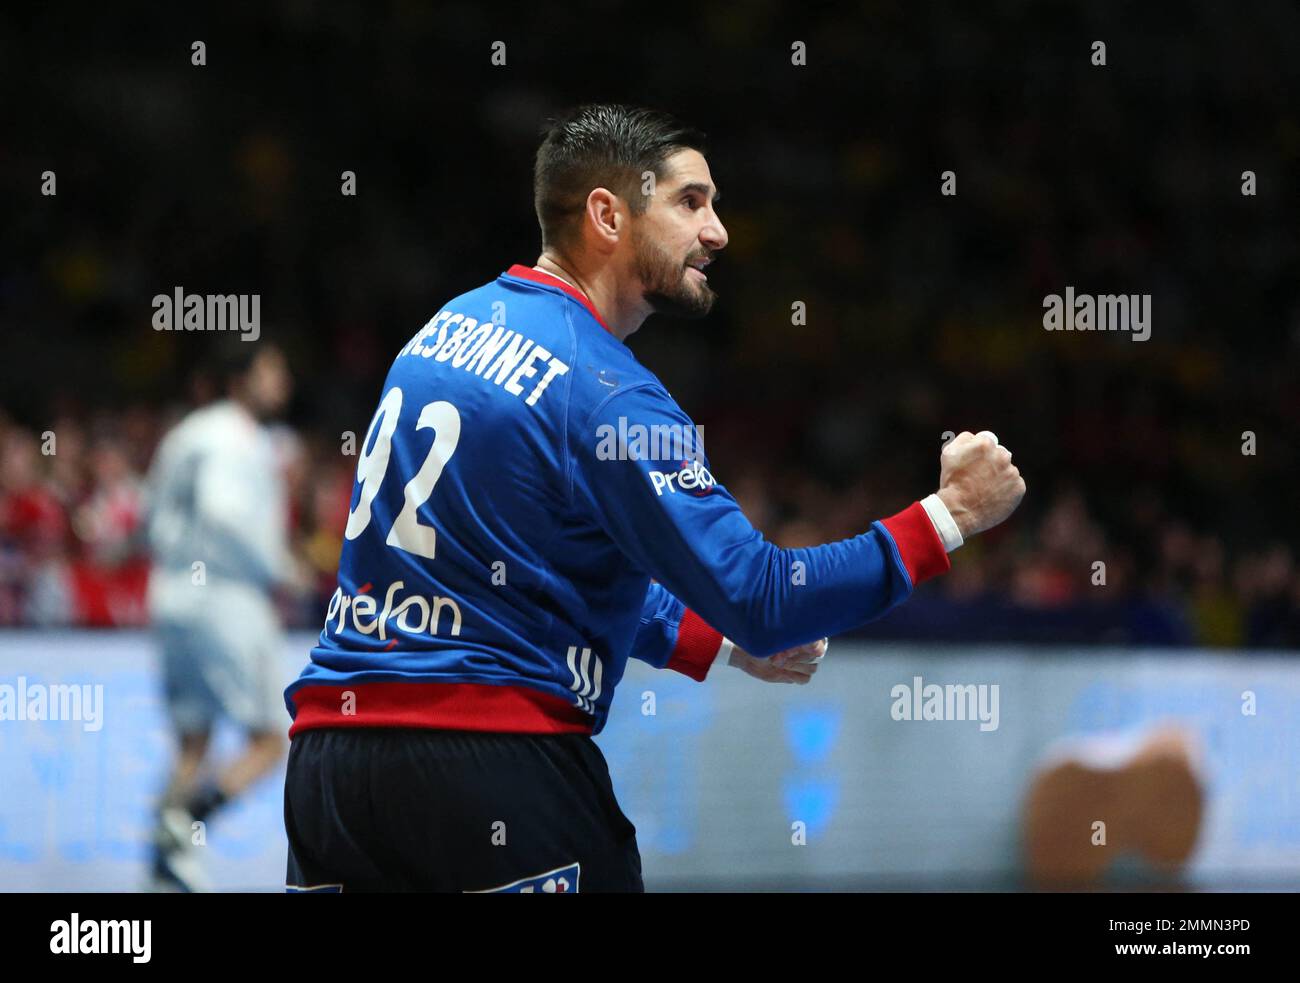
489	350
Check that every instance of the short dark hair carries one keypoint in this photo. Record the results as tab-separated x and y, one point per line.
229	359
601	145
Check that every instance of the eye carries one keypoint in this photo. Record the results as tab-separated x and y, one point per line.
691	202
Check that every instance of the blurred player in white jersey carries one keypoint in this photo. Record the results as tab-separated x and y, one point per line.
217	528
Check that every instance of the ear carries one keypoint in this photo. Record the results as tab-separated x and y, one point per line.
606	215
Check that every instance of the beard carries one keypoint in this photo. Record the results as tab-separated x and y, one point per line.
669	288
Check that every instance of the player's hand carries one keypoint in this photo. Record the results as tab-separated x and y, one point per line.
978	482
794	665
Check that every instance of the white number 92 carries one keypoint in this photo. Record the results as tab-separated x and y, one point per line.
407	532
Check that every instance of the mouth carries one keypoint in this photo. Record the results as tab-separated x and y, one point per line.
697	266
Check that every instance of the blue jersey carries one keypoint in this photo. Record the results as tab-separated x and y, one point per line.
531	509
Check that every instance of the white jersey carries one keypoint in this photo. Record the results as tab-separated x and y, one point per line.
217	498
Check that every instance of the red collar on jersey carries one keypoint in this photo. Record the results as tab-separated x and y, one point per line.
537	276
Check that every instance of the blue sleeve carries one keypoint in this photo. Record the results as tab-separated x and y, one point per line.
656	635
686	531
672	636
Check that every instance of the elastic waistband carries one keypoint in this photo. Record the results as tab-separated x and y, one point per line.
442	706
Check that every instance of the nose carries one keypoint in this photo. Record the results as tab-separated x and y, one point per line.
714	234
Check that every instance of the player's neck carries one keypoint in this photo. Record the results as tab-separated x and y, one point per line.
600	295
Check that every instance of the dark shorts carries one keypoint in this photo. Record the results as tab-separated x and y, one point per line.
395	809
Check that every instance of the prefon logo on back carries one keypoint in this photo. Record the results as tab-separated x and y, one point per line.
693	477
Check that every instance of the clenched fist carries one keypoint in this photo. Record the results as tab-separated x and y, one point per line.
978	482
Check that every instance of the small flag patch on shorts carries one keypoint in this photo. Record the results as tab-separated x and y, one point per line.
561	880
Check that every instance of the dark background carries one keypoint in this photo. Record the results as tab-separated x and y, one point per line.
924	311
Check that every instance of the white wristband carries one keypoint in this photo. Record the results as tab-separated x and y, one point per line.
943	522
723	655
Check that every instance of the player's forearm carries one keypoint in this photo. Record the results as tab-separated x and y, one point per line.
767	599
657	633
670	636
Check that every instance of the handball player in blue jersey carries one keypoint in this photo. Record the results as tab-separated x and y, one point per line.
532	509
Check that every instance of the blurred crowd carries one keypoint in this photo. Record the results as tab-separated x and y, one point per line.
73	500
73	503
1159	472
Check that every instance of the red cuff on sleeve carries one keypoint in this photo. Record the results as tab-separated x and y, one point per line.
918	543
697	646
